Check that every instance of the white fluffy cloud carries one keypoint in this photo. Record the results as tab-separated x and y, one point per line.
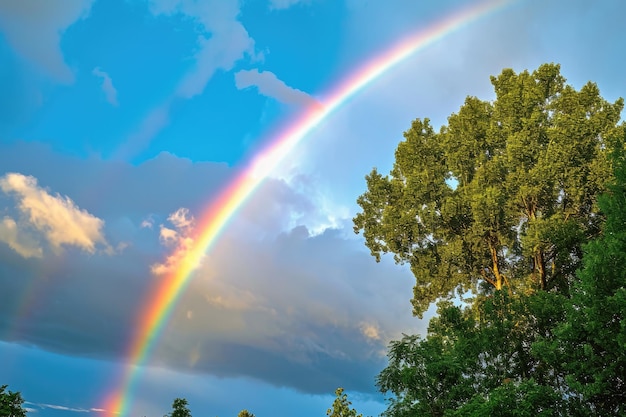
54	217
34	28
269	85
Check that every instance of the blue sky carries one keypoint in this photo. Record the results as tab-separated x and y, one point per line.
120	120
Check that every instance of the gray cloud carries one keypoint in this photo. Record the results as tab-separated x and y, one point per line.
34	29
284	307
269	85
107	86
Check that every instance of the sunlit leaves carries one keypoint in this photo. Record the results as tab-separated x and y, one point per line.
503	196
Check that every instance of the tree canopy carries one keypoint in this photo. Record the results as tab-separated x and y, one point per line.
341	406
522	201
502	196
11	403
179	408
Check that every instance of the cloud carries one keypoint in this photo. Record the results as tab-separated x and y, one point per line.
371	331
179	238
63	408
57	218
150	126
270	301
17	240
285	4
34	29
222	40
107	86
269	85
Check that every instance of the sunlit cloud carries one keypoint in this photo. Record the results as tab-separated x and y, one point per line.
371	331
178	237
18	240
54	217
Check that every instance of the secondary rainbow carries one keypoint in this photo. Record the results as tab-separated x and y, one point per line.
160	302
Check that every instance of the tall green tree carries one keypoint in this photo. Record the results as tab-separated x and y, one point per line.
179	408
11	403
341	406
503	196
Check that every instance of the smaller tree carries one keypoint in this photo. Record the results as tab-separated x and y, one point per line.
341	406
245	413
11	403
179	408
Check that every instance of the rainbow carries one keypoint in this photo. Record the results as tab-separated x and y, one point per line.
161	301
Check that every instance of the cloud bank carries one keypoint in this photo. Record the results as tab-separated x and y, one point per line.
271	301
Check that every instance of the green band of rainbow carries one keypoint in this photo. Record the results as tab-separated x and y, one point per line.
161	302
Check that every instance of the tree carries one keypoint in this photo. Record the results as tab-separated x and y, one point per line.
474	361
341	406
180	408
503	196
590	347
11	403
245	413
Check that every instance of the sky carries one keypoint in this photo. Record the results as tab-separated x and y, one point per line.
122	121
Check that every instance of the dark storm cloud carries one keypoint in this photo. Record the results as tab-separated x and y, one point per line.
270	301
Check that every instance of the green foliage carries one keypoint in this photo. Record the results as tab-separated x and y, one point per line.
518	354
180	408
591	343
526	399
245	413
341	406
11	403
526	193
503	196
475	358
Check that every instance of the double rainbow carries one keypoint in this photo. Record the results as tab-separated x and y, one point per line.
160	303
